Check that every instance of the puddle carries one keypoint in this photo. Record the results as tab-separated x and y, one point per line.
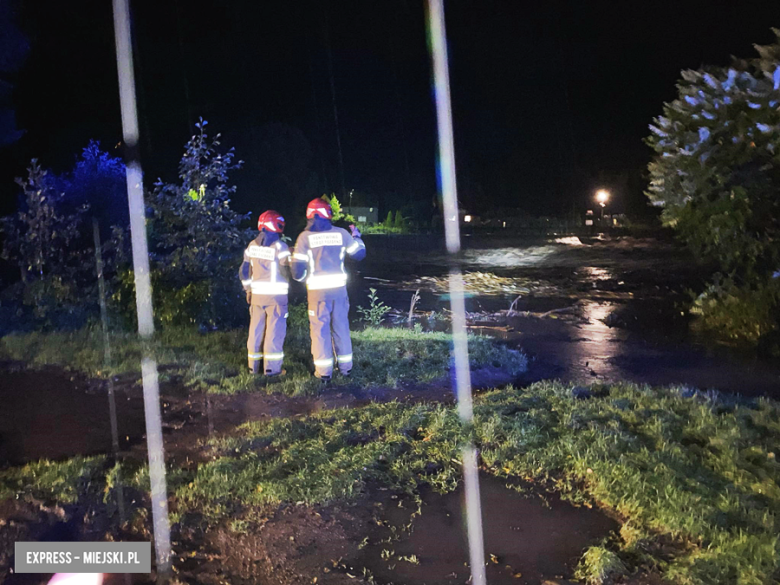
50	414
527	539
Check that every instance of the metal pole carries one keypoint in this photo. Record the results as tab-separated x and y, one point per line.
143	290
437	42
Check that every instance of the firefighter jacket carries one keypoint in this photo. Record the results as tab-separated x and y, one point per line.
265	270
319	257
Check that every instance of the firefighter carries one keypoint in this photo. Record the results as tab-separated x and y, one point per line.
265	275
319	260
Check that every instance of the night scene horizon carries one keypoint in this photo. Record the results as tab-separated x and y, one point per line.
551	100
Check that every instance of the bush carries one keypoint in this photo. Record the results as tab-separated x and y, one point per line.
716	174
195	242
743	315
376	311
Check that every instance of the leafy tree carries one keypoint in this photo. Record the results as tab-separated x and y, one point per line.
99	181
195	242
716	175
38	237
338	209
43	240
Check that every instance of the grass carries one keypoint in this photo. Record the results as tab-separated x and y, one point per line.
216	361
694	476
697	472
58	481
600	565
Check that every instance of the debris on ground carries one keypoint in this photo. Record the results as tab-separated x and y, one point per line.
483	283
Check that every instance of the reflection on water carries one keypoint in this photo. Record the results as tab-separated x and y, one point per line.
599	336
596	273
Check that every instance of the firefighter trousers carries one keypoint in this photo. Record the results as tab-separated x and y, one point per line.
329	324
265	346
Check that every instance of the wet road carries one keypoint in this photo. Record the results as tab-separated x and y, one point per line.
589	310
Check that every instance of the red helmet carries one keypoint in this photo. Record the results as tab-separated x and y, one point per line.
319	208
270	221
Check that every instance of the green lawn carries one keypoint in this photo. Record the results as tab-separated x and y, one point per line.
216	361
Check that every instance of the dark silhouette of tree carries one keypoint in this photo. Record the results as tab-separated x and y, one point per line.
281	161
98	180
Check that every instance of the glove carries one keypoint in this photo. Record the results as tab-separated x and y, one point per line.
249	297
354	230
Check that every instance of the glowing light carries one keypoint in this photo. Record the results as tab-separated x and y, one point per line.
602	196
467	219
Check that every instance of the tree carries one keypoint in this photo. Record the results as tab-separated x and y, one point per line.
716	175
400	222
281	168
195	238
99	181
338	209
38	237
388	223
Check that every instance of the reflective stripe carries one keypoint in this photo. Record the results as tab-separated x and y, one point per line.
354	248
283	254
323	363
255	356
273	357
246	282
343	359
326	281
301	257
269	288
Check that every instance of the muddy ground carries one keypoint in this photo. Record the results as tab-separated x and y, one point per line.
588	311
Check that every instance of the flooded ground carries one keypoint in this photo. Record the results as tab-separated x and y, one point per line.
587	310
584	310
528	540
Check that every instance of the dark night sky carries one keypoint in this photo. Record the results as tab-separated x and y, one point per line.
551	99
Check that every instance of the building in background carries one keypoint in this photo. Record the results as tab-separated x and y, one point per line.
368	215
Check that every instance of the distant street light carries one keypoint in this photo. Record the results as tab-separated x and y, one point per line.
467	219
602	196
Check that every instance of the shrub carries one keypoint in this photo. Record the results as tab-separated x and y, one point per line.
716	174
376	311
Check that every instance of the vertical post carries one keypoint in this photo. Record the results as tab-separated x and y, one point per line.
437	43
143	289
106	339
120	492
